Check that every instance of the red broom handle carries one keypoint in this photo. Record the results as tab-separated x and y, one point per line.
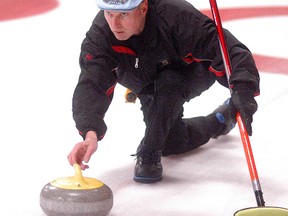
244	135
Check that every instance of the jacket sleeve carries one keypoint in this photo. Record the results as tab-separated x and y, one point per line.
198	41
94	91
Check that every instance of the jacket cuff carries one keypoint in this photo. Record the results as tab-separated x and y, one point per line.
83	133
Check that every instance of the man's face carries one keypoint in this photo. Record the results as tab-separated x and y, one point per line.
126	24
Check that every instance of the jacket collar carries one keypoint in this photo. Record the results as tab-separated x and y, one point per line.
150	30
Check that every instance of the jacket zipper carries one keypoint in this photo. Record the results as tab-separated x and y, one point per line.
136	62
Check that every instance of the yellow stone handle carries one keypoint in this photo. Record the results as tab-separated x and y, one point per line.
78	177
77	182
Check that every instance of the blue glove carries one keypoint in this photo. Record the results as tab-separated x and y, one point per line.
242	101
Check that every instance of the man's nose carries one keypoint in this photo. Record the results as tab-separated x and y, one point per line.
115	23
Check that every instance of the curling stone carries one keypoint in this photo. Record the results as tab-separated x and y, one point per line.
76	195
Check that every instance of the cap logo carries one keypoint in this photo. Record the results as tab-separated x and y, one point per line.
115	2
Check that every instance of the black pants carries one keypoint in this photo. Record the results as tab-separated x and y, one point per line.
162	106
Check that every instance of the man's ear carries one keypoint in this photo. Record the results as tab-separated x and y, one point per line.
144	7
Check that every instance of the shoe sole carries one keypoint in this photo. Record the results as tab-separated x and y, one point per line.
146	180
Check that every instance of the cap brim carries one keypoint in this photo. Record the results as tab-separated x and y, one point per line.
129	5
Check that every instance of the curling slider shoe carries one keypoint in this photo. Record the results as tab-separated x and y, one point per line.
148	168
222	114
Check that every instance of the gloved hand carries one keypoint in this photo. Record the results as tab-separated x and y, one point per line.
242	101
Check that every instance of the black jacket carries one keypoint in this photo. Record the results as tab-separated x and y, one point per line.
175	33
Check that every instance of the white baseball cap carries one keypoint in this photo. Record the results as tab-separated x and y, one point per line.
118	5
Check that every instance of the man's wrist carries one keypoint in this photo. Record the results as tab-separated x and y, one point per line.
91	135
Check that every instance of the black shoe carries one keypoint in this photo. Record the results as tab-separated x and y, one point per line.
222	114
148	168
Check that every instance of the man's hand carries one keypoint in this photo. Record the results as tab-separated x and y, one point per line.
83	151
242	101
